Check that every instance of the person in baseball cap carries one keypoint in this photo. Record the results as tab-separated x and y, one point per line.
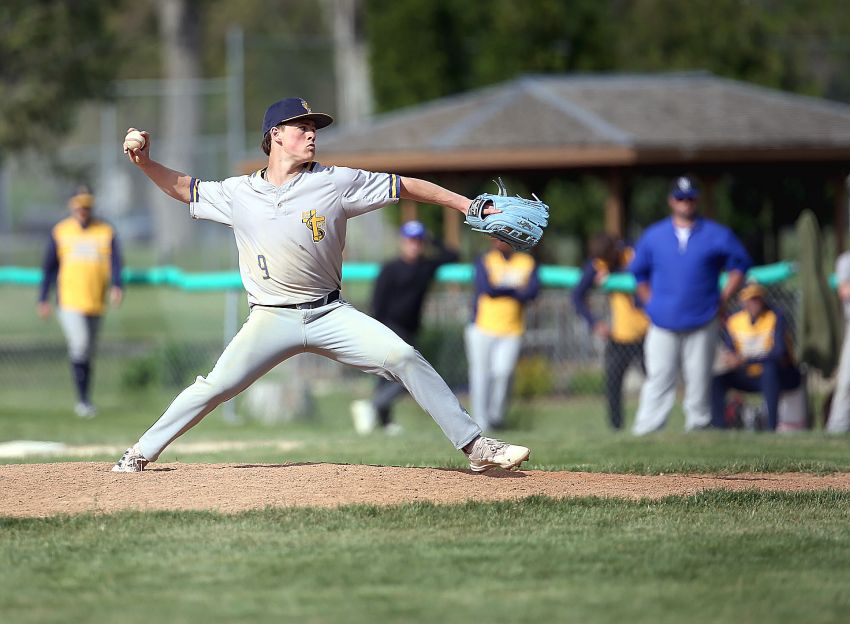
397	301
680	295
289	110
758	357
292	109
751	291
413	229
683	188
83	282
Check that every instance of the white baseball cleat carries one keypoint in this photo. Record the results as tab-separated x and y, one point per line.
364	417
393	429
85	410
131	461
489	453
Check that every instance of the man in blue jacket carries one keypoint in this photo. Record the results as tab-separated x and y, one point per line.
677	265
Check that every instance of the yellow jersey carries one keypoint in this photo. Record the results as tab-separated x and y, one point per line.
85	259
503	285
759	338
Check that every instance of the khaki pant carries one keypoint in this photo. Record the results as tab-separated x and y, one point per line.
665	354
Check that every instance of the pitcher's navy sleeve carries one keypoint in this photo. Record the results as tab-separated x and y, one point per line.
579	296
49	270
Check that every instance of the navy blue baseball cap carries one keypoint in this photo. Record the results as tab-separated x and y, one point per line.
684	187
413	229
290	109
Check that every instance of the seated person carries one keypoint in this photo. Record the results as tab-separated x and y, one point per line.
759	357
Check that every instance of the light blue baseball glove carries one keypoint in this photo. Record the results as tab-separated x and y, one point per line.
520	222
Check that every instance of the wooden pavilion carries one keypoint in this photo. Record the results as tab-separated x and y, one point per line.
615	127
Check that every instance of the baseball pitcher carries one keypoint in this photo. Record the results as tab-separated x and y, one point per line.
289	220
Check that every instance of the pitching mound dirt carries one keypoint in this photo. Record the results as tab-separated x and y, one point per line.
77	487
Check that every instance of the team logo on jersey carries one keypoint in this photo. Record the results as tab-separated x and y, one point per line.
314	223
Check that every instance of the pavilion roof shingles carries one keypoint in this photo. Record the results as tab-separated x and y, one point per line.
572	120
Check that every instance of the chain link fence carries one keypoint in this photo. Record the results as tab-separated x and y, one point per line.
560	356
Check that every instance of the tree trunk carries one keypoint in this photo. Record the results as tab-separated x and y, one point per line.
178	134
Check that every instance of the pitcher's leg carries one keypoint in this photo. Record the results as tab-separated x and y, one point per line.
661	357
347	335
698	349
266	339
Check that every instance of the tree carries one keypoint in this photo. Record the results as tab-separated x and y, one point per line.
55	55
179	28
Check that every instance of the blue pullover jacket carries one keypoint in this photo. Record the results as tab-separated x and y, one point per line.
684	282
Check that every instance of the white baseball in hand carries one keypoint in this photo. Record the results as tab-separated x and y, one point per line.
134	140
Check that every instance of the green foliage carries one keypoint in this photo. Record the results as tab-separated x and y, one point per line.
173	365
426	57
423	49
727	37
577	205
443	347
55	56
532	378
587	382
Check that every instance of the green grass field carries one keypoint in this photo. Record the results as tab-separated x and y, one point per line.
713	557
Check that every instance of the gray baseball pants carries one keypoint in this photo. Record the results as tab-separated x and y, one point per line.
839	412
337	331
492	360
665	353
80	334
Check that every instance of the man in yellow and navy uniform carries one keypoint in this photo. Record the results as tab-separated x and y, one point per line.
759	356
505	281
84	259
629	323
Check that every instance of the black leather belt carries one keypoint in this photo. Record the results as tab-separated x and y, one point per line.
318	303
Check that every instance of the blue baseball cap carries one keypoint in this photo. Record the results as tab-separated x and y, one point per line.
413	229
684	187
290	109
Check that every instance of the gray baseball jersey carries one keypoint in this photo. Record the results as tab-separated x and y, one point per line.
291	237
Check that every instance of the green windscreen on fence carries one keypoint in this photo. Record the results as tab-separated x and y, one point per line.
550	276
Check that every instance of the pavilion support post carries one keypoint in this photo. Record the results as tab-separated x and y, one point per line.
451	227
614	205
839	185
409	210
708	203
